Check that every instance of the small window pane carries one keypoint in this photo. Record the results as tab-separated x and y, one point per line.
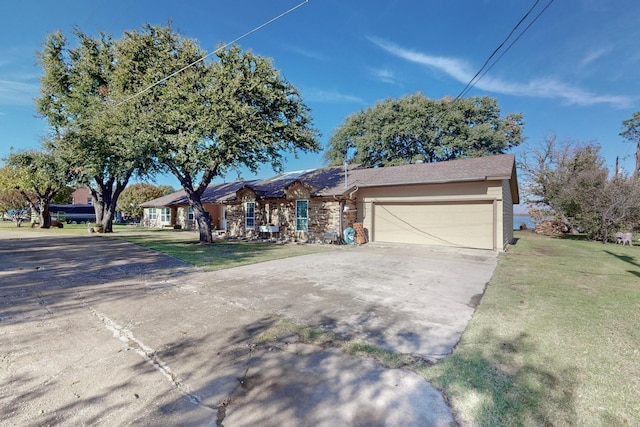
250	215
302	215
165	215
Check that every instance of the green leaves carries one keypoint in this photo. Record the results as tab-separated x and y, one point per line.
134	195
151	102
572	180
397	131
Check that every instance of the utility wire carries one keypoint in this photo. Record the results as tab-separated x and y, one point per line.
248	33
475	78
510	45
481	72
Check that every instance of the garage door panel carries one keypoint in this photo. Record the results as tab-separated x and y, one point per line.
449	224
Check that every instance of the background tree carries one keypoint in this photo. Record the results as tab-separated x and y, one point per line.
13	205
119	109
631	132
64	196
39	176
211	117
398	131
572	181
134	195
77	97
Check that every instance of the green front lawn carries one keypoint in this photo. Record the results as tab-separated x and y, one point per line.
184	245
555	340
218	255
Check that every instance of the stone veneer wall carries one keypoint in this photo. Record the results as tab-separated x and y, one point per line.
324	217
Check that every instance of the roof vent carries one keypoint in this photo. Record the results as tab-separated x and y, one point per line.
419	162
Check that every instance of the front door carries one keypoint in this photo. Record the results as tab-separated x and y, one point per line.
223	222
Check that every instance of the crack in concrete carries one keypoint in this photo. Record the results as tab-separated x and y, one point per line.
150	356
238	391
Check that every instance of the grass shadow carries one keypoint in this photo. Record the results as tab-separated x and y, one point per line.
625	258
222	254
491	383
574	237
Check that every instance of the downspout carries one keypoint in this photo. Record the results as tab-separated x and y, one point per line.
350	198
353	192
341	211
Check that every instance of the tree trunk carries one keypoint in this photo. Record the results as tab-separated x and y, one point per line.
45	216
202	218
104	215
105	201
195	199
637	171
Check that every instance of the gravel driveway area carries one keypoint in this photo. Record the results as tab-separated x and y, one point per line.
95	331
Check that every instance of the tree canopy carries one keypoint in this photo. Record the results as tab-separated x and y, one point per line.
212	117
134	195
631	132
412	128
38	176
151	102
571	180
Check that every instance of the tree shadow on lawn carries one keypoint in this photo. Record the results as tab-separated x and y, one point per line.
495	385
223	253
625	258
575	237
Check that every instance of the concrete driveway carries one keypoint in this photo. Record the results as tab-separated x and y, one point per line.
99	332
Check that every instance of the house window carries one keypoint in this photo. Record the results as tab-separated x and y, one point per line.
190	216
165	215
153	214
250	215
302	215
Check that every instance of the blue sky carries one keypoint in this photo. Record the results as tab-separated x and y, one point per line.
573	73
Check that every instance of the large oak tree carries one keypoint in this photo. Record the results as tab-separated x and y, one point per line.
416	128
211	117
104	144
152	102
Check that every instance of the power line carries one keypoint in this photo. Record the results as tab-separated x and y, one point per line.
477	76
237	39
471	82
474	80
514	41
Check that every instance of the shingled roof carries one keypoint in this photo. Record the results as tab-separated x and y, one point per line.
213	194
487	168
330	181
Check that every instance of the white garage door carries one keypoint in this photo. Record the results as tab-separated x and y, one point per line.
464	224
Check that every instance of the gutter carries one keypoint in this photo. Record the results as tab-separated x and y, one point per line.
353	192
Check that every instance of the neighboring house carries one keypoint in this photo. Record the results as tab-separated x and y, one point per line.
459	203
81	196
